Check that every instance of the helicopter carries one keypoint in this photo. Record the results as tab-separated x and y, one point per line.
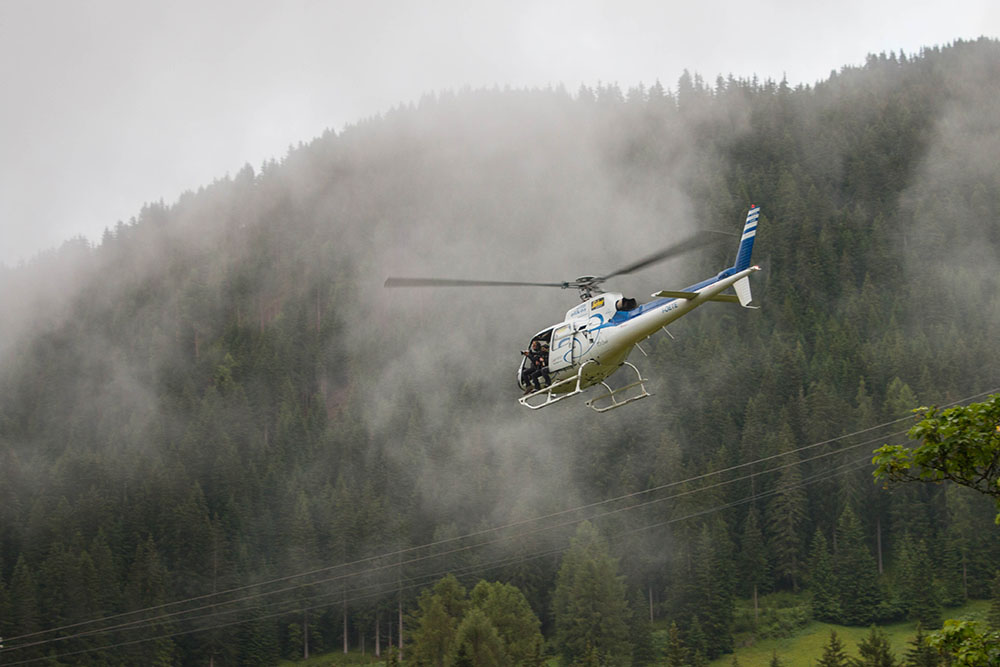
595	338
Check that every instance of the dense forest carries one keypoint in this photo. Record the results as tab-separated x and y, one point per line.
223	442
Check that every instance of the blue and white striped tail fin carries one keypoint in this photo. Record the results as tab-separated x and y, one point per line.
746	241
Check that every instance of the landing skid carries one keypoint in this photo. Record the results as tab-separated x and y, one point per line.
548	395
621	392
573	386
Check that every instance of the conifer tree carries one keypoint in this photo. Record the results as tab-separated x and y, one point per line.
993	617
258	643
855	571
822	582
589	604
753	558
833	653
924	605
697	641
874	650
710	599
786	514
920	653
146	587
440	610
24	614
516	624
477	643
677	651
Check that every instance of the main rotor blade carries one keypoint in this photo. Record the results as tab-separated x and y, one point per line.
448	282
698	240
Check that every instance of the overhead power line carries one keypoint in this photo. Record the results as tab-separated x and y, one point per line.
185	615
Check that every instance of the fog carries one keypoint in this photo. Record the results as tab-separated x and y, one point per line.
539	184
115	105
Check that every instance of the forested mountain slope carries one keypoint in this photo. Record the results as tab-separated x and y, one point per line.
221	393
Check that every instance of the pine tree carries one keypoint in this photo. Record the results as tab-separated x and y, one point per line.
477	643
993	618
589	604
822	583
787	513
855	572
874	650
643	650
696	641
24	613
257	644
677	651
833	653
146	587
924	605
440	610
302	556
515	622
920	653
710	599
753	558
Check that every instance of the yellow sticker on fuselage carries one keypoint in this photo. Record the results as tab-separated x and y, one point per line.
597	303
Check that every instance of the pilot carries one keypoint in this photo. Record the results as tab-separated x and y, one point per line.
625	303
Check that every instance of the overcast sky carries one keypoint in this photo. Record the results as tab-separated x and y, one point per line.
107	104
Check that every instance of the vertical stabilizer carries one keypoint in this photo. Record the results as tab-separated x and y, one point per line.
742	287
746	244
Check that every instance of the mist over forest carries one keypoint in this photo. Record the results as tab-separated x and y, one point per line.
218	404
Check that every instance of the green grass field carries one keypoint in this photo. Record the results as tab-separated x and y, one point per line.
806	647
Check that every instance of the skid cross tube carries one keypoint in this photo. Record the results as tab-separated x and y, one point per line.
613	393
549	394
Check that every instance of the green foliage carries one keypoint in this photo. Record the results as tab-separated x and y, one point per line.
967	644
676	651
440	611
753	556
920	653
833	653
918	594
821	581
589	604
959	444
213	396
856	573
994	615
478	643
875	651
510	614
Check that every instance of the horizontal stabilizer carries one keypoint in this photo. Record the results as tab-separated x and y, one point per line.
728	298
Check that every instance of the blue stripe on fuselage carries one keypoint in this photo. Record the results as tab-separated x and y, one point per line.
620	316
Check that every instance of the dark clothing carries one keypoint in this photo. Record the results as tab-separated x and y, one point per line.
536	367
540	364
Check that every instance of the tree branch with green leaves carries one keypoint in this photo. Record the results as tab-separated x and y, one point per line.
960	444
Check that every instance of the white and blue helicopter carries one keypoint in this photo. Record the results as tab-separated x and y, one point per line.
596	337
